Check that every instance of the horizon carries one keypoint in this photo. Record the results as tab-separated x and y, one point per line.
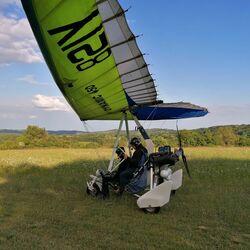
124	130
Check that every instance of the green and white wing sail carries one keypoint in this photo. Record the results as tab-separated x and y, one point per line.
91	54
95	61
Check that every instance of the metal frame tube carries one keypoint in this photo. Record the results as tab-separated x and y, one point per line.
127	132
116	143
149	143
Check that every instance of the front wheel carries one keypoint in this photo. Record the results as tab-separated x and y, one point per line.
151	210
94	192
173	192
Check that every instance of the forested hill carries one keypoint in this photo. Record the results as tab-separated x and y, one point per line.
231	135
238	129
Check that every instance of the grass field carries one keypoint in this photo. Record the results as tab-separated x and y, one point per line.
43	204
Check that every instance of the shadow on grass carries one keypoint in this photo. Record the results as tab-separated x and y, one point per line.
48	208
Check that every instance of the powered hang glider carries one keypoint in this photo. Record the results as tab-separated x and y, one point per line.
96	63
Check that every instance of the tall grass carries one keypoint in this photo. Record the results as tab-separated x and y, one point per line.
43	204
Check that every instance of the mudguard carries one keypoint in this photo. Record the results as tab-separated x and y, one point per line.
160	195
156	197
176	178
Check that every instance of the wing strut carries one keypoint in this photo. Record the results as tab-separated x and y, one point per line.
149	142
127	132
116	143
124	117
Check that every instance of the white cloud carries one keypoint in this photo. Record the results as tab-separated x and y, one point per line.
32	117
17	43
50	103
8	116
21	112
31	80
4	2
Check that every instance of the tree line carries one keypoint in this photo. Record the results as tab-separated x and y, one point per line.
33	137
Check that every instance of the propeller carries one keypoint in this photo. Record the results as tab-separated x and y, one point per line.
183	156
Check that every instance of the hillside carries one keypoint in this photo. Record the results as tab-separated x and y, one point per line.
243	129
230	135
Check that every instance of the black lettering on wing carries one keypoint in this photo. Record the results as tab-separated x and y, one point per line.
88	49
73	27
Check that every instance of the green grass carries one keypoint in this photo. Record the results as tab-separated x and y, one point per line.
43	204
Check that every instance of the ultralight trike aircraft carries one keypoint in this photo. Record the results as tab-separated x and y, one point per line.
154	176
96	63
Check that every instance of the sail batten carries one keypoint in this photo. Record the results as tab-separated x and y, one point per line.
118	31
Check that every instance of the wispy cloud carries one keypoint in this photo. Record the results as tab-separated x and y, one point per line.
8	116
31	80
17	43
50	103
5	2
23	112
32	117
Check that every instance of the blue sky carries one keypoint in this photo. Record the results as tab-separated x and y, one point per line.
199	51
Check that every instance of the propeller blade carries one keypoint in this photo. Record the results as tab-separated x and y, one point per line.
179	136
184	159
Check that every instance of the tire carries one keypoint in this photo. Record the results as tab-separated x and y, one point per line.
95	192
151	210
173	192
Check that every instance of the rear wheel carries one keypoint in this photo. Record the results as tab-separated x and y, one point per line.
173	192
94	192
151	210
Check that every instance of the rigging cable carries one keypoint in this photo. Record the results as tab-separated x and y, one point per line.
153	114
88	128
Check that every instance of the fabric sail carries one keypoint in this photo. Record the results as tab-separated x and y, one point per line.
95	61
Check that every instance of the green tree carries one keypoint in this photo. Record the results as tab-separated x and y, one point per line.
187	138
226	136
159	141
34	132
208	137
243	141
35	136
